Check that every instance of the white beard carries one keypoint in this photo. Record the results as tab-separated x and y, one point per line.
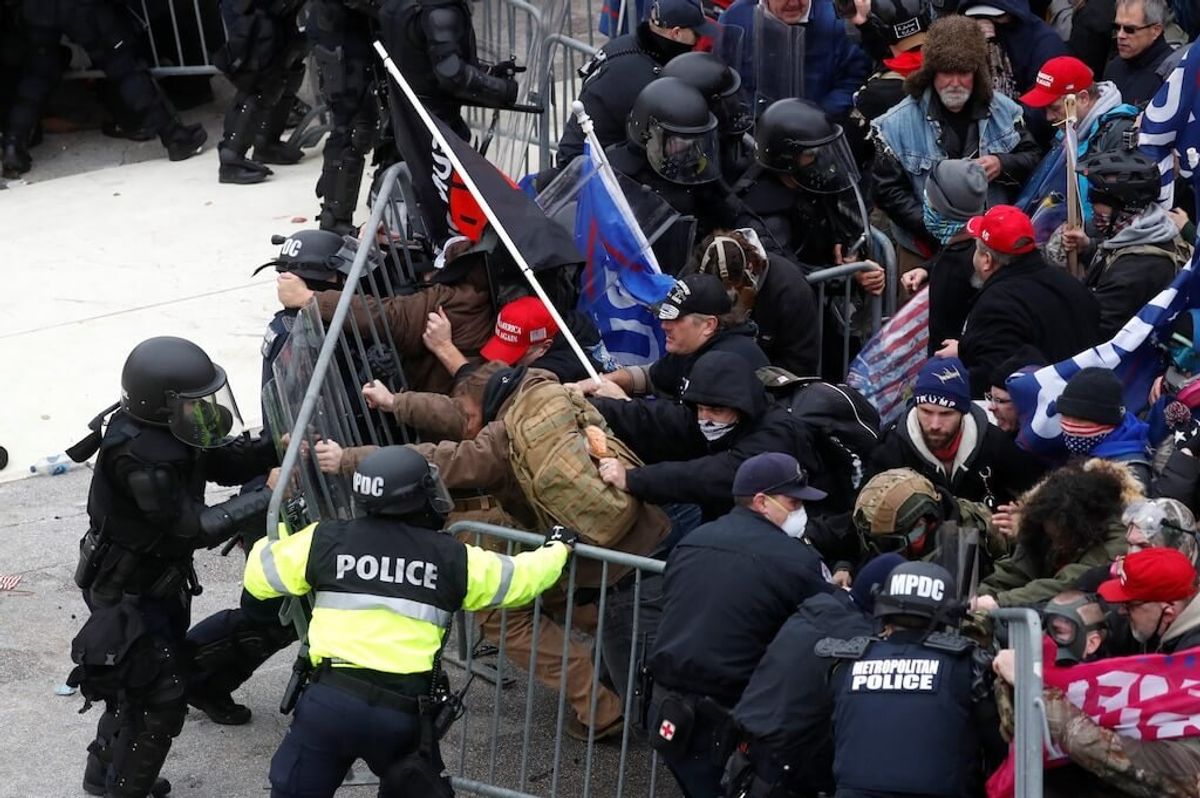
954	98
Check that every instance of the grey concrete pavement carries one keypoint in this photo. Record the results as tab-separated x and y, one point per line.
43	744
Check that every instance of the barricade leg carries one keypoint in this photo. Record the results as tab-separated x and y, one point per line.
518	646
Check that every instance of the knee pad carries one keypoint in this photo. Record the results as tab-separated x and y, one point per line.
164	721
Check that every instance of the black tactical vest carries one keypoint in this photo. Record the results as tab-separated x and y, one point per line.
179	487
903	720
419	573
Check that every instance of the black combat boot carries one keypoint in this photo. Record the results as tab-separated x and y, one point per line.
183	141
16	160
220	708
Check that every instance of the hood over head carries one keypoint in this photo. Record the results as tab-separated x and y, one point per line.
723	379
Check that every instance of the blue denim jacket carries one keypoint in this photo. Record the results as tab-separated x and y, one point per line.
914	138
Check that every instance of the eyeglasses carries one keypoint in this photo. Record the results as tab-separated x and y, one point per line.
991	397
1129	30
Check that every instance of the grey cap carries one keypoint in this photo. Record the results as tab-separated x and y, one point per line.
957	188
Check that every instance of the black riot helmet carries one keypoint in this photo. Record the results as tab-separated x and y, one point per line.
670	120
917	590
314	255
897	20
1125	179
720	84
795	138
171	382
397	481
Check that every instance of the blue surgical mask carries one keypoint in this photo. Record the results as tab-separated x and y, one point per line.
940	226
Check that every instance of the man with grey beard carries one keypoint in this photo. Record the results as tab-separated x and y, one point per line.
950	112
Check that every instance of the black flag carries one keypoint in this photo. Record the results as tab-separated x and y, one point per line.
448	208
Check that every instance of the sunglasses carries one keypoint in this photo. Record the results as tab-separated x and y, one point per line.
1129	30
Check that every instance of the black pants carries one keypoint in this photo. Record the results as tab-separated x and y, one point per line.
105	31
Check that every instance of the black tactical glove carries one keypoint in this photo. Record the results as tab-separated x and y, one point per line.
562	534
506	69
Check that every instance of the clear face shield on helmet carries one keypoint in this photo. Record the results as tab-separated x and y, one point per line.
206	420
823	168
685	158
1148	525
439	495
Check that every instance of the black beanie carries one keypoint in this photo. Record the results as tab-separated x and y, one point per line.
1094	394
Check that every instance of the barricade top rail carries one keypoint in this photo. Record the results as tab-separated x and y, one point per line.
582	549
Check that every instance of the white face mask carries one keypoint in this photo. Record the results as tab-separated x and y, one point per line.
714	430
796	521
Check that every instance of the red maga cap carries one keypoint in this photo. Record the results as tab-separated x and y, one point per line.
521	324
1004	228
1151	575
1058	77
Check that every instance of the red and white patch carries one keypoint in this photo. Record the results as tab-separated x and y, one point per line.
667	730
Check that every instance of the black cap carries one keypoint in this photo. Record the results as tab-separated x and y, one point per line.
774	473
1027	355
1094	394
696	293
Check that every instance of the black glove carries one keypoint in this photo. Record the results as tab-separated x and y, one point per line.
562	534
506	69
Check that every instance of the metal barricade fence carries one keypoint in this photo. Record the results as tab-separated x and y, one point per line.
180	36
1029	727
503	745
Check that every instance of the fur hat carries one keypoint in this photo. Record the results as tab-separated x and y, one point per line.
955	44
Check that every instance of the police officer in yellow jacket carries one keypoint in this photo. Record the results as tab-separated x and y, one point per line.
385	587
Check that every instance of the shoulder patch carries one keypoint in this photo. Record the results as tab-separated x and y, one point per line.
837	648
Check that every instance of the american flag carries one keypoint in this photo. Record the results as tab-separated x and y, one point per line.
884	370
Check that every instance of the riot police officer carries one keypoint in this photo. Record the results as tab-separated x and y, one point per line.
341	36
800	192
228	646
385	587
177	427
911	698
672	147
99	27
615	76
264	58
721	85
433	44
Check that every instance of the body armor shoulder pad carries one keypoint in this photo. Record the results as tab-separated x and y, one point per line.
951	642
836	648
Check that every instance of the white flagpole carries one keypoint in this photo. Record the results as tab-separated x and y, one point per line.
487	209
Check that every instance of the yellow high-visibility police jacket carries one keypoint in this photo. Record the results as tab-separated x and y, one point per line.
384	591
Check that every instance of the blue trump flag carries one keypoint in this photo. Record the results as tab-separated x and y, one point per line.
1171	125
622	278
1132	354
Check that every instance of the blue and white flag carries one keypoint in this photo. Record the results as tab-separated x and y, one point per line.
1170	125
1132	354
622	278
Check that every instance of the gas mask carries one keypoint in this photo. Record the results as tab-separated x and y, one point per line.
1068	630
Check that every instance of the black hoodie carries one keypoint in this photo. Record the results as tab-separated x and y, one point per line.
668	374
681	466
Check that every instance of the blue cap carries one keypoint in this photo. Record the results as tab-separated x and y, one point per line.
681	14
776	474
871	576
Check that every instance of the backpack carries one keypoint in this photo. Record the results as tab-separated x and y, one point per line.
549	454
843	425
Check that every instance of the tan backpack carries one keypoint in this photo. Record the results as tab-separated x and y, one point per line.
549	454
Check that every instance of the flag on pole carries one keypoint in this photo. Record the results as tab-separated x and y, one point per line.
886	367
1171	124
448	208
1131	354
621	279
